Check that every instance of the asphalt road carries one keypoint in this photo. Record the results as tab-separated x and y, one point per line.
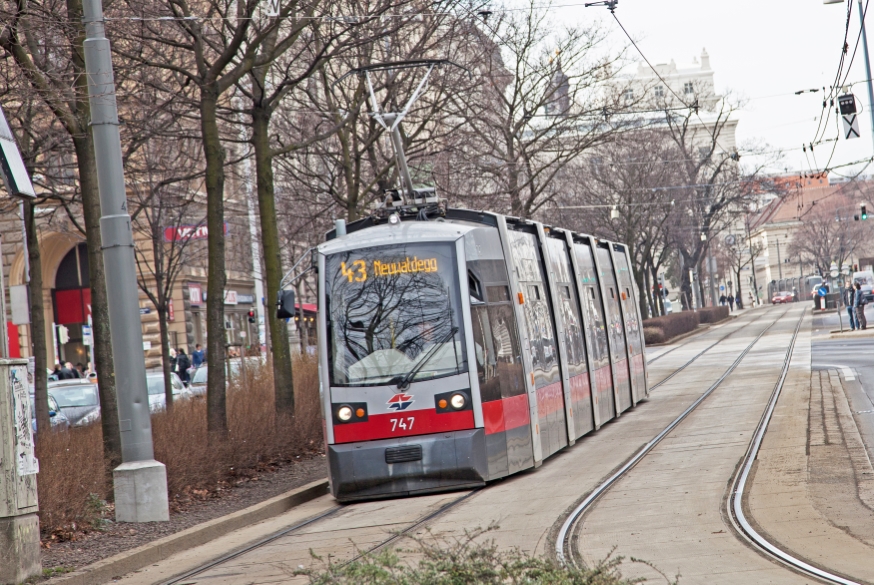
856	353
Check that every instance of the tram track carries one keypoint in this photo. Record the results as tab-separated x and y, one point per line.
734	502
692	360
297	527
565	541
423	519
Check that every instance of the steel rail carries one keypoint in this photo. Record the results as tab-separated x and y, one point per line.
562	541
734	502
692	340
286	531
695	357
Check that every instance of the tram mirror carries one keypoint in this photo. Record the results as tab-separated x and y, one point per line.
285	304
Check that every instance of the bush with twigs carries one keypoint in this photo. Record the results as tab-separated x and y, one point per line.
74	482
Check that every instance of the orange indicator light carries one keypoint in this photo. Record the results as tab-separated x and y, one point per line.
442	403
521	298
359	413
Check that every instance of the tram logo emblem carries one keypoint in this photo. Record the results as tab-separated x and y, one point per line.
400	401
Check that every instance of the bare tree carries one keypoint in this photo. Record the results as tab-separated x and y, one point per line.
713	188
626	178
43	39
538	100
828	232
203	49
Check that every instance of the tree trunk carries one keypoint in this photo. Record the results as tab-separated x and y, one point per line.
650	294
161	309
283	382
216	404
642	288
37	323
659	293
102	346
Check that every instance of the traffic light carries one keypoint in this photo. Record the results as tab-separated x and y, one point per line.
864	213
251	315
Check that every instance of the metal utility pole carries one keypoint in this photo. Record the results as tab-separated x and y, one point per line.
779	262
752	259
140	482
867	67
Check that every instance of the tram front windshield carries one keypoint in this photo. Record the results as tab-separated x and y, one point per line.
394	310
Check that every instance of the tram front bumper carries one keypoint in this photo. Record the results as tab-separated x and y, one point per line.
451	460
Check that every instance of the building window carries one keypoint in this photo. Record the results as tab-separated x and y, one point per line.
628	94
688	88
659	91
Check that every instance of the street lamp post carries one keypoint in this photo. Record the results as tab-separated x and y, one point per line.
140	482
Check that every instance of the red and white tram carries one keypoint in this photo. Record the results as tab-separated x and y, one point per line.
458	347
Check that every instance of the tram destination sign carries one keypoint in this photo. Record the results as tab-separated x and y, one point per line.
357	271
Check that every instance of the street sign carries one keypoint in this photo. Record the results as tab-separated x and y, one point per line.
822	291
12	169
851	126
86	335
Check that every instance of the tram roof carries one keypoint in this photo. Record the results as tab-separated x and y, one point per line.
406	231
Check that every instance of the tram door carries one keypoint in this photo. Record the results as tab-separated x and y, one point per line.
531	276
571	337
615	329
498	356
595	330
631	316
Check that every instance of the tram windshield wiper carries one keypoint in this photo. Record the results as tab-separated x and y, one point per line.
404	381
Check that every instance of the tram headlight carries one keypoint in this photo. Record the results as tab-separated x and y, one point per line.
394	219
457	401
344	413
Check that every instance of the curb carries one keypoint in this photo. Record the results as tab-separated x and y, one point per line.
158	550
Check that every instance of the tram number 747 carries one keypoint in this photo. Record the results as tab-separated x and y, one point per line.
405	423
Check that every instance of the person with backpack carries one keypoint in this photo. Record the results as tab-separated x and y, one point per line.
849	301
859	304
182	365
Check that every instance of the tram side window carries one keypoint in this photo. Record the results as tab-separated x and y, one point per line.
599	345
498	357
573	329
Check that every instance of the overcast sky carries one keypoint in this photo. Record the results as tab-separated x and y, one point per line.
760	50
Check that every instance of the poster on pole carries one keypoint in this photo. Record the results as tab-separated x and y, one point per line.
25	456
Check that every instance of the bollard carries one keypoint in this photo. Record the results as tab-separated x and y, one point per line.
19	524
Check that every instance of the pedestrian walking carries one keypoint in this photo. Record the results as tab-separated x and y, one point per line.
849	299
722	299
859	303
738	301
182	365
197	356
730	300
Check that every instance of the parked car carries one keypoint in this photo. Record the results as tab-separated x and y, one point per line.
866	279
58	419
78	400
785	296
197	386
669	307
157	395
